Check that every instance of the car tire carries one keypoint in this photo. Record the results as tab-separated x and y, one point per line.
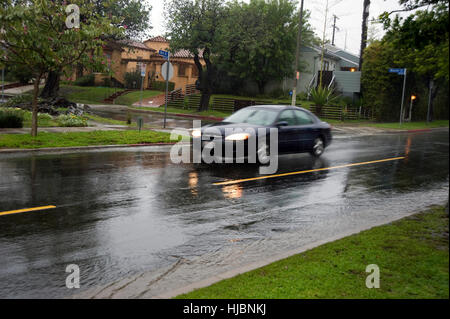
318	147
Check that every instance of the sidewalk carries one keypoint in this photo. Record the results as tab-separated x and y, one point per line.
21	89
94	126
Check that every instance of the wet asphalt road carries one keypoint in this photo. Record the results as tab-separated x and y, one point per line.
124	212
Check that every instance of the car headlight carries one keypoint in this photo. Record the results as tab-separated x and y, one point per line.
196	133
237	137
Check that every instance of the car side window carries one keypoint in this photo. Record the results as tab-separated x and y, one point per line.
288	116
303	118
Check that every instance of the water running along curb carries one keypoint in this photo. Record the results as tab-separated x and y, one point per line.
78	148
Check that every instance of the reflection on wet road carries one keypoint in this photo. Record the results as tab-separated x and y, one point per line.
125	212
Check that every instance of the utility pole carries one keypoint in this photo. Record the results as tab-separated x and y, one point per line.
297	55
366	7
431	83
334	28
345	45
323	44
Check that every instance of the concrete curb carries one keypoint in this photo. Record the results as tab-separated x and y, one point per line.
77	148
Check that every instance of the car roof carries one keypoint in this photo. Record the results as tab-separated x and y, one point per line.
278	107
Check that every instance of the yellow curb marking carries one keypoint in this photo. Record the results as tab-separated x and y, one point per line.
25	210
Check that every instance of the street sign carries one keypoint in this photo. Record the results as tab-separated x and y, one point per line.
164	71
398	71
164	54
141	66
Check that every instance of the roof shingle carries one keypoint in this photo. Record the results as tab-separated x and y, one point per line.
157	39
134	44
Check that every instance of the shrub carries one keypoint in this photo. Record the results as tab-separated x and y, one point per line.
107	82
20	73
323	96
71	120
345	101
11	118
19	99
161	86
133	80
302	96
86	80
278	93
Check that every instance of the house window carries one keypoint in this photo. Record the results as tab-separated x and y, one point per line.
326	66
194	71
182	70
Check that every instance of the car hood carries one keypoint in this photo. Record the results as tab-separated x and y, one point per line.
222	126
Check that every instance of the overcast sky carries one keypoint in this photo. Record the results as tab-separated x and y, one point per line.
349	13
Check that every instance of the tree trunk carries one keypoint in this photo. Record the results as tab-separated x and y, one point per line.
204	79
434	93
34	118
51	88
261	87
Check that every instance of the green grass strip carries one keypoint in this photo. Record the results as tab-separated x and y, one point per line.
412	255
72	139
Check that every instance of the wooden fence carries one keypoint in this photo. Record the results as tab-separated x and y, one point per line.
341	112
190	89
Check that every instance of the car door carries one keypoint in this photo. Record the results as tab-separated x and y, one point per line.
306	129
287	135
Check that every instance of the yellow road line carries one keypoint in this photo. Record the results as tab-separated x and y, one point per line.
25	210
304	172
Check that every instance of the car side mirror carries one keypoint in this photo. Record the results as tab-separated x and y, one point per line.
282	123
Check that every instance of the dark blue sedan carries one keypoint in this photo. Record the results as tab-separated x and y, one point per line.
299	131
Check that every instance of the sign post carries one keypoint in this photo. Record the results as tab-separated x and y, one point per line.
401	72
142	67
167	73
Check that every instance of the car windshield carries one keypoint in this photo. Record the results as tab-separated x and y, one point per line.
253	116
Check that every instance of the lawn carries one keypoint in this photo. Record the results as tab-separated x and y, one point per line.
183	111
133	97
45	139
104	120
87	94
412	255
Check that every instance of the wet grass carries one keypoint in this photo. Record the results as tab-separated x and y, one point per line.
133	97
104	120
412	255
87	94
71	139
184	111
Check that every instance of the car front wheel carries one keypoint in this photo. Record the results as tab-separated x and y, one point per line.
318	147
